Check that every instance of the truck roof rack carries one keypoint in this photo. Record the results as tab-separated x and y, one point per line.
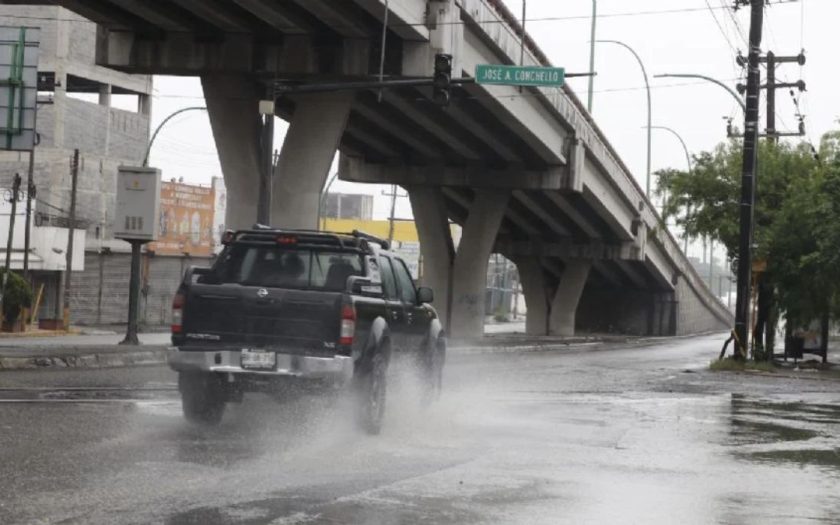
372	238
259	230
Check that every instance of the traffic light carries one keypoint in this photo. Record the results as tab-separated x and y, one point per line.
442	80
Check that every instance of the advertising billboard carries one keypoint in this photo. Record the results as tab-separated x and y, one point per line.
186	220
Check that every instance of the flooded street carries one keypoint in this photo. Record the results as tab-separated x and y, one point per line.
616	433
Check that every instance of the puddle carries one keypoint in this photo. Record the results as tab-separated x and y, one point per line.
784	431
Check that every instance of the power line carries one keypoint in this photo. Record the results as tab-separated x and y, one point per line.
738	29
720	27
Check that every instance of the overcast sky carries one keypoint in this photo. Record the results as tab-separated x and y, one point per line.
696	40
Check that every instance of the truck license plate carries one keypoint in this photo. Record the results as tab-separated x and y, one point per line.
258	359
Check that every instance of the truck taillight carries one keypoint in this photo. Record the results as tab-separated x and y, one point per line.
177	313
348	325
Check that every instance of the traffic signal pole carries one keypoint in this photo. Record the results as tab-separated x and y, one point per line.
742	303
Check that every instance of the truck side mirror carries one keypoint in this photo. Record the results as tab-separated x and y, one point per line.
425	295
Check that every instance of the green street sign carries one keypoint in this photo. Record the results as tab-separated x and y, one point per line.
519	75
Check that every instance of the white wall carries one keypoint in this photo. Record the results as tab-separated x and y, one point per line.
48	244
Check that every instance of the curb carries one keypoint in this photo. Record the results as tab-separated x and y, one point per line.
145	357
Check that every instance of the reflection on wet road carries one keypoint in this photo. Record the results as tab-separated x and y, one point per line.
593	435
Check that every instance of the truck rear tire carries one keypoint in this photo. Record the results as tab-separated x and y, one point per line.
370	395
431	371
202	398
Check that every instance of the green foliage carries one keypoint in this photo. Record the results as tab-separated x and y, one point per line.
806	239
18	296
706	201
797	216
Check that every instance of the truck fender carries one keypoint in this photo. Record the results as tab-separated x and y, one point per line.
378	335
435	333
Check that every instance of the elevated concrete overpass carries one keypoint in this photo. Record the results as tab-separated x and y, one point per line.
527	174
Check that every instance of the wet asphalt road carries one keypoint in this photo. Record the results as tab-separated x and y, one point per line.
617	434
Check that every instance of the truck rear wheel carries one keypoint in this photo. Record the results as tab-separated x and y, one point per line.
370	396
202	398
431	371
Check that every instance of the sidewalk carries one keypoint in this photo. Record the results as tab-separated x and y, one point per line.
81	351
102	350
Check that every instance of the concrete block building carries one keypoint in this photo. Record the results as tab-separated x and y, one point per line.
106	115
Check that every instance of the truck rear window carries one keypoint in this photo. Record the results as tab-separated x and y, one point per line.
286	267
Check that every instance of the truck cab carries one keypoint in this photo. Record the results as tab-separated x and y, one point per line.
288	309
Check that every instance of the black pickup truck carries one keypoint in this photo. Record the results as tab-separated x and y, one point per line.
282	310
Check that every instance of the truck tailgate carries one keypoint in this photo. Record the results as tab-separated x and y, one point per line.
293	319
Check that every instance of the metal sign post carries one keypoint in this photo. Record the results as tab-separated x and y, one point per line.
136	221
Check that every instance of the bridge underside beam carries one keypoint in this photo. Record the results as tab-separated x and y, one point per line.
186	53
357	170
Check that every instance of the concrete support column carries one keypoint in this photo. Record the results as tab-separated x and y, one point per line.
232	104
306	157
565	302
105	95
105	100
436	244
535	288
144	105
469	271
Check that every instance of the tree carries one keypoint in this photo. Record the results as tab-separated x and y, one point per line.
18	296
706	201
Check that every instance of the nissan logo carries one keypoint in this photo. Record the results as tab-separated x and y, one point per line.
262	292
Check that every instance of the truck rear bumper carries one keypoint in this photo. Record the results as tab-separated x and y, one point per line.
338	369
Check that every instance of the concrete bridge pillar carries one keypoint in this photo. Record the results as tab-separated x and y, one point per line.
233	104
469	272
552	307
306	157
564	304
436	244
536	290
459	277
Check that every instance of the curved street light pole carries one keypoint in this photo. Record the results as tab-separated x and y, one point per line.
647	86
679	137
592	55
160	126
709	79
324	193
687	160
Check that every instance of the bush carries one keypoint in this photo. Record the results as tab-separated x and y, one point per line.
18	296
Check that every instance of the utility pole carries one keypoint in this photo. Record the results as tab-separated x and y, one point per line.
592	36
74	173
30	194
771	86
711	263
742	302
394	194
15	189
266	167
770	58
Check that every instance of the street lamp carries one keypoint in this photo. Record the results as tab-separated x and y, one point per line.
592	55
685	148
708	79
321	201
647	86
687	160
160	126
